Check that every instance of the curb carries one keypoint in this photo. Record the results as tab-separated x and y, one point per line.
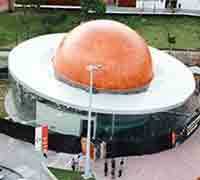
48	172
134	11
13	171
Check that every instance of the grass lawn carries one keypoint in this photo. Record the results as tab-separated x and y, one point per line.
67	175
154	29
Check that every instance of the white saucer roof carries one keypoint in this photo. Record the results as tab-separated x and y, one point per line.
30	63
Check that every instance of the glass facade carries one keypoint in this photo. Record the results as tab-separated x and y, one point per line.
24	102
136	127
107	126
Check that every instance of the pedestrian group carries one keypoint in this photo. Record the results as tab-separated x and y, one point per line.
113	172
75	163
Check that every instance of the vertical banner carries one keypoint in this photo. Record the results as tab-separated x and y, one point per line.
173	138
45	138
38	138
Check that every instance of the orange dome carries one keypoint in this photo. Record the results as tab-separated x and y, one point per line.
124	56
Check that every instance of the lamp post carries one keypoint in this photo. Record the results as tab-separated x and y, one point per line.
91	68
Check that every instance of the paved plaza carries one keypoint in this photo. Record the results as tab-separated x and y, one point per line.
21	157
180	163
9	174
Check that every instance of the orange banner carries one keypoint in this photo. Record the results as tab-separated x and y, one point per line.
45	138
173	138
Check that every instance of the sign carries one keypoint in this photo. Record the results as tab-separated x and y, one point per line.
173	138
38	138
45	138
41	139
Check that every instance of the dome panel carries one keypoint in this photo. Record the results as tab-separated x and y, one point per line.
124	56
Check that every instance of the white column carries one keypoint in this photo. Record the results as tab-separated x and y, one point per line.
113	125
95	127
87	173
91	68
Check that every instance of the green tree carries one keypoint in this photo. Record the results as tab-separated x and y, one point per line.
97	7
23	27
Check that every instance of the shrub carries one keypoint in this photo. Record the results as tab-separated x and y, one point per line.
61	17
49	19
95	6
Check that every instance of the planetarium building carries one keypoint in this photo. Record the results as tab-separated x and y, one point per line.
135	92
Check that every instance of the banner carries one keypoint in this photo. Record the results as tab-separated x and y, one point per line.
41	138
38	138
45	138
173	138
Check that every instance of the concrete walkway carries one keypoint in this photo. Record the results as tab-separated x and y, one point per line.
150	11
129	10
9	174
180	163
21	157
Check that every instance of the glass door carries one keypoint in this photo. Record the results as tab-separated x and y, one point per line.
84	127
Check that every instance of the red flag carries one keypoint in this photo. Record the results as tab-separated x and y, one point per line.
173	138
45	138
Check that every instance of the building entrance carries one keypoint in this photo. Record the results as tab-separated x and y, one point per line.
171	4
84	127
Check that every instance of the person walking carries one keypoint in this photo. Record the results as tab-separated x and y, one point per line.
122	162
120	172
106	167
113	167
45	155
77	162
73	164
121	166
113	163
113	173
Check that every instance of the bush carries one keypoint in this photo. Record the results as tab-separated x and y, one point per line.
4	36
95	6
48	20
23	27
61	17
54	20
